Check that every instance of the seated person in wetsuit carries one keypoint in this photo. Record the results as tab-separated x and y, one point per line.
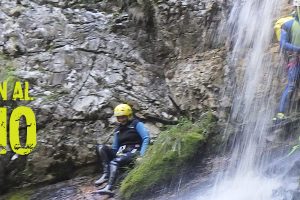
131	139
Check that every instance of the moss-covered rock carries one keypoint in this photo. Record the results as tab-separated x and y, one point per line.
167	156
7	70
23	194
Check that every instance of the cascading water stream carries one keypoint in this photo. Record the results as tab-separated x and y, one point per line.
250	25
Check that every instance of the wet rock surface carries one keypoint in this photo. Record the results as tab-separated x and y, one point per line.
83	58
78	188
83	187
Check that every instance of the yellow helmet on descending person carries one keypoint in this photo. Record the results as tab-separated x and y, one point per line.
123	110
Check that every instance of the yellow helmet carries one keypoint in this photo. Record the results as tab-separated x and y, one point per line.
122	110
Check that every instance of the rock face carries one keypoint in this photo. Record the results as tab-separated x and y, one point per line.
82	58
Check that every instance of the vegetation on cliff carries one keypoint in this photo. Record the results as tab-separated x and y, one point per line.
7	70
167	156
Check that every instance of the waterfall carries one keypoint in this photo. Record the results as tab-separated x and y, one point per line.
251	23
245	178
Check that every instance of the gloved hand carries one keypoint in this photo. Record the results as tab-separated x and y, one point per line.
119	154
120	151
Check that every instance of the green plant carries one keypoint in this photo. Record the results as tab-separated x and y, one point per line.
23	194
167	156
7	72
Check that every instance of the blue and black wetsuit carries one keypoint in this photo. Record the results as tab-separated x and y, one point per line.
132	134
290	44
130	140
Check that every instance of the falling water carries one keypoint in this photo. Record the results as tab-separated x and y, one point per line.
250	25
252	22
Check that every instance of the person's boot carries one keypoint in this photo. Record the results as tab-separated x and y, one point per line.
101	180
105	176
106	190
113	170
101	151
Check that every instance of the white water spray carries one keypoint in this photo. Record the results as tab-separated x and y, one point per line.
250	26
252	23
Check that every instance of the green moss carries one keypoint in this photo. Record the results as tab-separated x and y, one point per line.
167	156
51	98
20	195
7	70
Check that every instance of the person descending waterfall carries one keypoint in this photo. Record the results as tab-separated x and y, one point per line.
290	44
131	140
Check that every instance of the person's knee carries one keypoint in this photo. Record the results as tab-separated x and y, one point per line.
118	159
124	160
100	148
113	164
102	151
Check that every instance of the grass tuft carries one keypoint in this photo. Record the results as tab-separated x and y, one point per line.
167	156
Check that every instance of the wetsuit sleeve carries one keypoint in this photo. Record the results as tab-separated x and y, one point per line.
285	44
115	145
143	132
